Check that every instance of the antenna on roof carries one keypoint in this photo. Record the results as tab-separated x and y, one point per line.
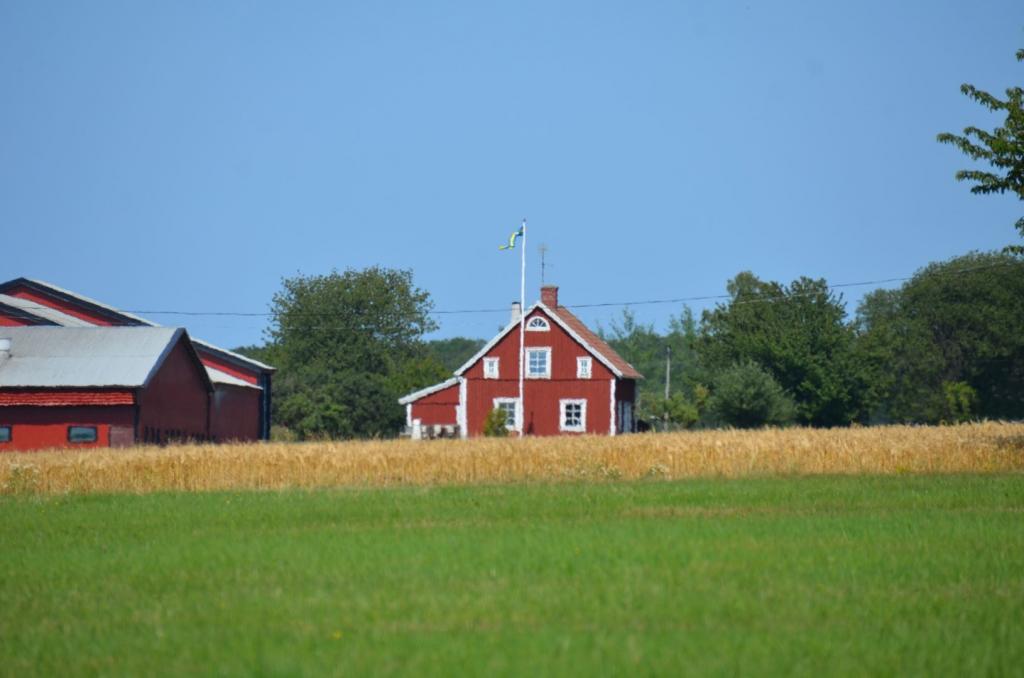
543	249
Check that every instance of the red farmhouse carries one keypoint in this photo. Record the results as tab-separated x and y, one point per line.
240	404
100	387
574	381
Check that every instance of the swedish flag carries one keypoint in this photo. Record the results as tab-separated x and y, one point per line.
512	240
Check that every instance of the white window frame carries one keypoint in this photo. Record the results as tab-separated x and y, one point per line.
517	411
534	349
492	368
582	373
562	405
542	324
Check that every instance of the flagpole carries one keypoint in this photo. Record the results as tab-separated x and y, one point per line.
522	332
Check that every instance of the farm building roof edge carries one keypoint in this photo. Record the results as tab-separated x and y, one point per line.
43	311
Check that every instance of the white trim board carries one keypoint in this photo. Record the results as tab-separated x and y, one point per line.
423	392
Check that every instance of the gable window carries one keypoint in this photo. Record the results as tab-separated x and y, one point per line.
538	324
573	415
81	434
5	434
583	368
510	406
490	368
538	363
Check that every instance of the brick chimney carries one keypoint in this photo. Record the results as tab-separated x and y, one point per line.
549	296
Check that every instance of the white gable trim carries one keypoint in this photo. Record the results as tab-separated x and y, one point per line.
552	316
590	349
423	392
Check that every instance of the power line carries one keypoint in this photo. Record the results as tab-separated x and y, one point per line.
606	304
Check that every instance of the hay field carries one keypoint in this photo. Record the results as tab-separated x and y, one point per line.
974	448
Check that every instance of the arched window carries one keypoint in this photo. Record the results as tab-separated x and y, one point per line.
538	324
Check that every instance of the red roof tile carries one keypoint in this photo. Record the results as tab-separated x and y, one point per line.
59	398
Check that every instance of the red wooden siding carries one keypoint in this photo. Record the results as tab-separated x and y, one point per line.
437	408
176	401
542	412
37	428
234	413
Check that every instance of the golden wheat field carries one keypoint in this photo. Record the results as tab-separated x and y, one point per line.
971	448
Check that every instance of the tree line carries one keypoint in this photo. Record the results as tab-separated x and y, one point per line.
946	346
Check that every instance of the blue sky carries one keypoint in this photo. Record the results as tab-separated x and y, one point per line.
188	155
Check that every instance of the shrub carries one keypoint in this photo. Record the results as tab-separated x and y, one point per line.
494	424
747	396
959	402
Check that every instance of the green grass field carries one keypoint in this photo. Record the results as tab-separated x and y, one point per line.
839	575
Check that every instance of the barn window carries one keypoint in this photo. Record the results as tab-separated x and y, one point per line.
538	363
583	368
490	368
573	416
81	434
538	324
5	434
510	406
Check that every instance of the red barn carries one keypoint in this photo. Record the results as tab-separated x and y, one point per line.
574	381
100	387
240	409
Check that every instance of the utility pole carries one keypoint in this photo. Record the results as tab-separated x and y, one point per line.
668	379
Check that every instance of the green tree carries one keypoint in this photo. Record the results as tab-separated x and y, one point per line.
1002	148
646	350
747	396
452	353
955	322
347	346
798	334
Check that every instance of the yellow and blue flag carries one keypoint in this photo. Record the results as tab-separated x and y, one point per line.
512	240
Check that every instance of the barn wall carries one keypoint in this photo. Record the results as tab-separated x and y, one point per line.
437	408
37	428
235	413
541	414
175	405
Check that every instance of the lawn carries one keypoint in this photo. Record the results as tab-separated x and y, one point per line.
897	575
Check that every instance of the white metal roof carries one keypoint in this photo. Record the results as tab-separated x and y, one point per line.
53	357
44	312
236	356
218	377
